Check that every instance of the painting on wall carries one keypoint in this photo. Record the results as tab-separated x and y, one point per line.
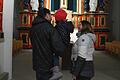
1	12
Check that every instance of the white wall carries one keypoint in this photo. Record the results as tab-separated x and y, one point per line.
6	46
1	57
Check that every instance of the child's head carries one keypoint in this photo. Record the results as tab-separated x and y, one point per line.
84	27
45	13
60	15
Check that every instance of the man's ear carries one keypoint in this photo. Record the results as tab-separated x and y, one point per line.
47	15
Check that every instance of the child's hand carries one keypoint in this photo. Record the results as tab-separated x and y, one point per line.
74	57
74	78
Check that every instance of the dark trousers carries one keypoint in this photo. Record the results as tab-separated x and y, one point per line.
82	78
43	75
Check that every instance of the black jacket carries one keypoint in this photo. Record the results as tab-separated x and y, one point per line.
64	29
45	41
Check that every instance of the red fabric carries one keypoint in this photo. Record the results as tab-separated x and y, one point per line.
1	5
0	23
60	15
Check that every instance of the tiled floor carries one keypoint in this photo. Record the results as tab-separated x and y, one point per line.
106	67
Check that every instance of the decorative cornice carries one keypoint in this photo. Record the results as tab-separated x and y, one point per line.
23	28
101	30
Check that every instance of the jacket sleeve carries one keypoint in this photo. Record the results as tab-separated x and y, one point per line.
57	43
74	51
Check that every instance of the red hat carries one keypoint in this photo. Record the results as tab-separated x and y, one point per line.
60	15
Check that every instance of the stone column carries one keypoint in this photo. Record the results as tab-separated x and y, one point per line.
8	12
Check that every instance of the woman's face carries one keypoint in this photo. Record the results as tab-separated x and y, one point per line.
79	27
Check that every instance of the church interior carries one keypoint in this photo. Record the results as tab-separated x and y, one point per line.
16	18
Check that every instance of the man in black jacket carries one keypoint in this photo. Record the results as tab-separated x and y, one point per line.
45	41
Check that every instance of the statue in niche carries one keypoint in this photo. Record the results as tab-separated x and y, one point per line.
34	5
93	5
86	6
26	5
41	3
101	5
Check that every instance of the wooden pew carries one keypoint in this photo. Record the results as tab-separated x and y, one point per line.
17	46
113	47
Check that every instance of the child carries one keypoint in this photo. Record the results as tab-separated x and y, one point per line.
64	29
82	52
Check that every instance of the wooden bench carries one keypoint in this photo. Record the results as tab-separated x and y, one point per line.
17	46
